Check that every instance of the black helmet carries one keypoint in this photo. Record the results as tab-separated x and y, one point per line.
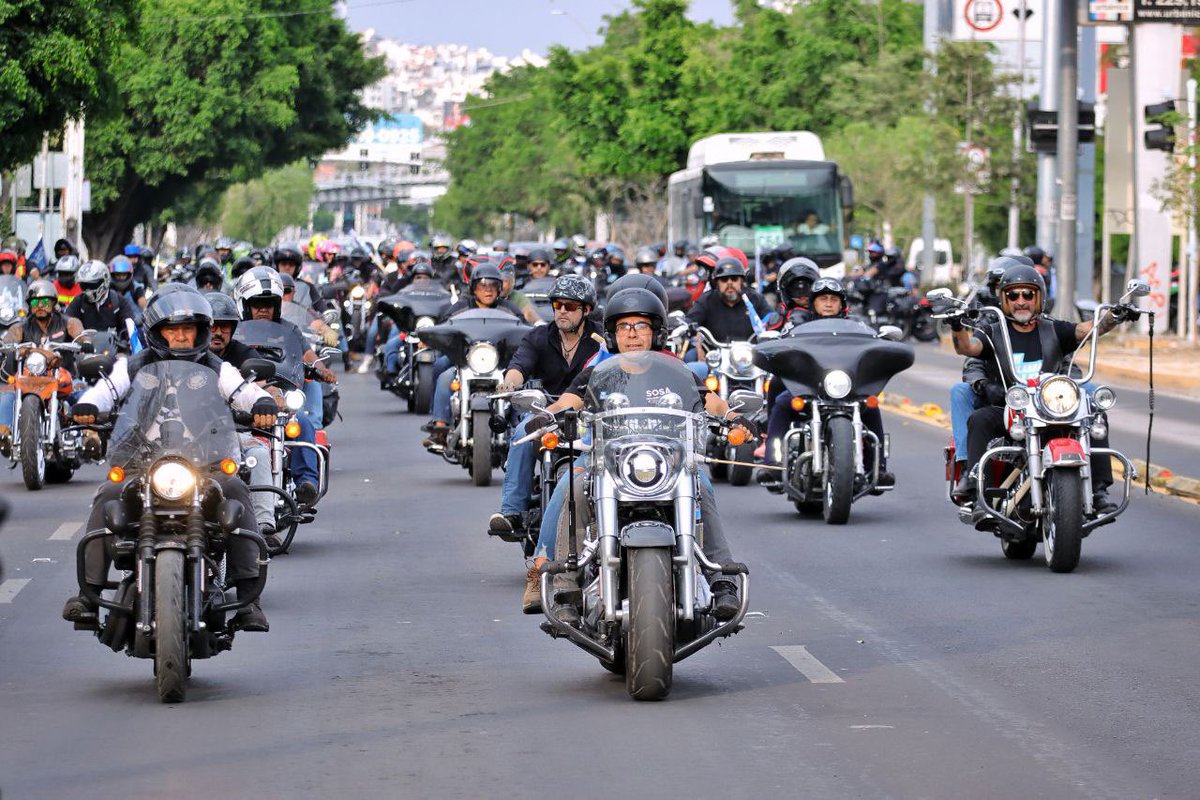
66	246
486	272
521	253
796	278
540	254
638	280
574	287
645	256
289	253
422	267
630	302
616	261
680	247
599	255
209	274
262	256
830	286
500	246
241	266
289	283
728	268
224	309
359	255
1036	253
178	306
1023	275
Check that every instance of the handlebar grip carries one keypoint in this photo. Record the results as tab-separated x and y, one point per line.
554	568
735	568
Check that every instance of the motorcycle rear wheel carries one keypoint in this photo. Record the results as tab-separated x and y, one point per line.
422	389
740	475
481	448
650	631
170	627
925	328
33	455
839	470
1062	528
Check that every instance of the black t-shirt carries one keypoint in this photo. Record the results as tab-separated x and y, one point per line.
727	323
540	356
1027	347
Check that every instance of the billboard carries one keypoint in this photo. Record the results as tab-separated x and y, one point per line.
394	138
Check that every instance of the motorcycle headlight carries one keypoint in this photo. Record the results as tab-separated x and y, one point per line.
1104	398
1017	398
837	384
35	364
644	469
294	400
7	314
741	355
357	293
424	322
172	480
615	401
713	359
483	357
1060	396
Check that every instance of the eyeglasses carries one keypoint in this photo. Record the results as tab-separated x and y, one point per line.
566	305
632	327
1020	294
42	301
539	263
729	278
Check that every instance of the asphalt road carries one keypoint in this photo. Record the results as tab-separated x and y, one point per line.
399	665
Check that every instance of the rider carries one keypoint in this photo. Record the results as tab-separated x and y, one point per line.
64	279
1040	345
441	258
287	262
539	263
421	278
796	277
553	354
122	283
508	273
143	271
178	325
731	313
209	277
635	321
98	308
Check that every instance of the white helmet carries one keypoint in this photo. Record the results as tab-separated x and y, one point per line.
260	283
94	279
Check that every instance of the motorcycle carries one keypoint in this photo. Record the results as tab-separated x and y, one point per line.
644	602
537	291
12	301
411	310
1035	484
478	342
171	525
833	368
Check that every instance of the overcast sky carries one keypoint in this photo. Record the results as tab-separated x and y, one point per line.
503	26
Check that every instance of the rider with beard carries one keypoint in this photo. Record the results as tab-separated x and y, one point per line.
65	284
97	307
731	313
539	263
635	321
178	326
1040	345
828	300
553	354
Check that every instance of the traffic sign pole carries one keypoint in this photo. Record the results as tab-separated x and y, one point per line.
1068	141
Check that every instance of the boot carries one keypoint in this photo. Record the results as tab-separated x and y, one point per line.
1101	502
725	599
437	437
770	479
964	490
92	446
79	606
531	601
5	439
269	534
251	618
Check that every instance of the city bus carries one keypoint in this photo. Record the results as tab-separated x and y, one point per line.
759	190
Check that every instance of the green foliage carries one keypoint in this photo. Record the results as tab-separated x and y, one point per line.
53	66
211	93
323	220
256	211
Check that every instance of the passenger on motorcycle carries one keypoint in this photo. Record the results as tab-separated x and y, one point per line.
635	321
553	354
97	307
828	301
482	292
178	325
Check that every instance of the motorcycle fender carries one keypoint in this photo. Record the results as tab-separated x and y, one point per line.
1063	452
426	356
647	533
480	402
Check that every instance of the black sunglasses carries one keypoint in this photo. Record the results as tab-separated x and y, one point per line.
1020	294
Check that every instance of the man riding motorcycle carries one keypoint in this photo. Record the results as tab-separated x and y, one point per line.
731	313
64	279
178	325
97	307
553	354
288	262
122	282
1040	345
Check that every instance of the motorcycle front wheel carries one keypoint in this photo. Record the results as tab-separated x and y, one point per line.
422	388
1062	528
839	470
33	455
481	448
740	475
170	627
650	627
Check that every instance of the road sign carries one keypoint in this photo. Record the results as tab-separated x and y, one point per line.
997	20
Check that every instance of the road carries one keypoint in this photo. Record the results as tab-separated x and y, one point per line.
399	664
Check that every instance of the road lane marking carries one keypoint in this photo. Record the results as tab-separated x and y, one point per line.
10	587
66	531
807	664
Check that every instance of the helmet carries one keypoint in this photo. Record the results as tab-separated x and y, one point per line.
147	253
175	307
290	253
467	247
574	287
94	279
262	256
728	268
1036	253
468	267
875	249
708	259
224	309
629	302
241	265
521	253
260	283
289	283
1011	251
327	249
560	247
122	273
830	286
422	267
40	290
680	247
500	246
440	240
645	256
487	271
507	265
134	250
579	244
616	260
387	248
209	273
359	254
638	280
1023	275
796	277
733	252
599	255
9	255
66	266
540	254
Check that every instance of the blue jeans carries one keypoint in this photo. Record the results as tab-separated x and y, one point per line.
302	460
391	352
443	375
518	472
314	404
8	408
698	368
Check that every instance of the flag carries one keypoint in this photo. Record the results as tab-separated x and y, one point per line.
755	320
37	256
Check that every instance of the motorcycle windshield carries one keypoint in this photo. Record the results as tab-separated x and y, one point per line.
173	408
803	358
413	302
456	334
644	396
12	298
278	342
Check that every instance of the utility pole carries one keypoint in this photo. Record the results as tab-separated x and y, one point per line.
1022	12
929	204
1085	238
1047	197
1068	140
1193	269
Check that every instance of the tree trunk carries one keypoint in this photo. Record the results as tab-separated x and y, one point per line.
107	232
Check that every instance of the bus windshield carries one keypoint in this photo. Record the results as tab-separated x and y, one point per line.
772	204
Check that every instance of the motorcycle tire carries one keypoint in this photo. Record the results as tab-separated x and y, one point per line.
1062	528
740	475
33	455
924	329
423	388
1018	549
839	470
650	626
170	627
481	448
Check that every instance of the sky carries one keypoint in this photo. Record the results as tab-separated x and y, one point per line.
505	27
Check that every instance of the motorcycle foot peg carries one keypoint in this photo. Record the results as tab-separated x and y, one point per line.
554	568
87	622
550	629
735	568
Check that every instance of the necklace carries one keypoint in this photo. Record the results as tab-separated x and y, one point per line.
569	352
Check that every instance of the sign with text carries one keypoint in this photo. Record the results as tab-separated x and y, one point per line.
1176	12
1109	12
998	20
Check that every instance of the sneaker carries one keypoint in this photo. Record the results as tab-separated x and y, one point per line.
1102	503
306	493
504	524
251	618
770	479
77	608
725	600
531	601
270	536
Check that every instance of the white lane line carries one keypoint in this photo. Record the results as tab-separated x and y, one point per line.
807	664
10	587
66	531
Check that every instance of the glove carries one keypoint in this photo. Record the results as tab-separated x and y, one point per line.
979	387
955	323
263	406
1124	313
85	413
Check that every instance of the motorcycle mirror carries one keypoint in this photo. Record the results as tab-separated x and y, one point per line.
87	334
93	368
259	369
744	401
1137	288
330	316
1086	308
940	294
528	400
891	333
676	318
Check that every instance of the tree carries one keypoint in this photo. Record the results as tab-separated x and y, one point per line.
213	92
256	211
54	59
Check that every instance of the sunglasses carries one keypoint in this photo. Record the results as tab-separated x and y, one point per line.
1021	294
42	301
539	263
728	278
565	305
632	327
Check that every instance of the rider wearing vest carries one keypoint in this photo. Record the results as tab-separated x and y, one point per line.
98	308
1040	345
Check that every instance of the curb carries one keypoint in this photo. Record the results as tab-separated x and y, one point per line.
1162	480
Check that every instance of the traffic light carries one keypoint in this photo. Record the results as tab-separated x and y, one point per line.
1042	127
1160	133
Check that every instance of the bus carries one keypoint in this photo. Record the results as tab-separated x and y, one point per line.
756	191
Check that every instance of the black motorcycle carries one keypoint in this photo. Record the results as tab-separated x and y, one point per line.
173	439
411	310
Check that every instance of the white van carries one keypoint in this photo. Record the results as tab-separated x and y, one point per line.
943	257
